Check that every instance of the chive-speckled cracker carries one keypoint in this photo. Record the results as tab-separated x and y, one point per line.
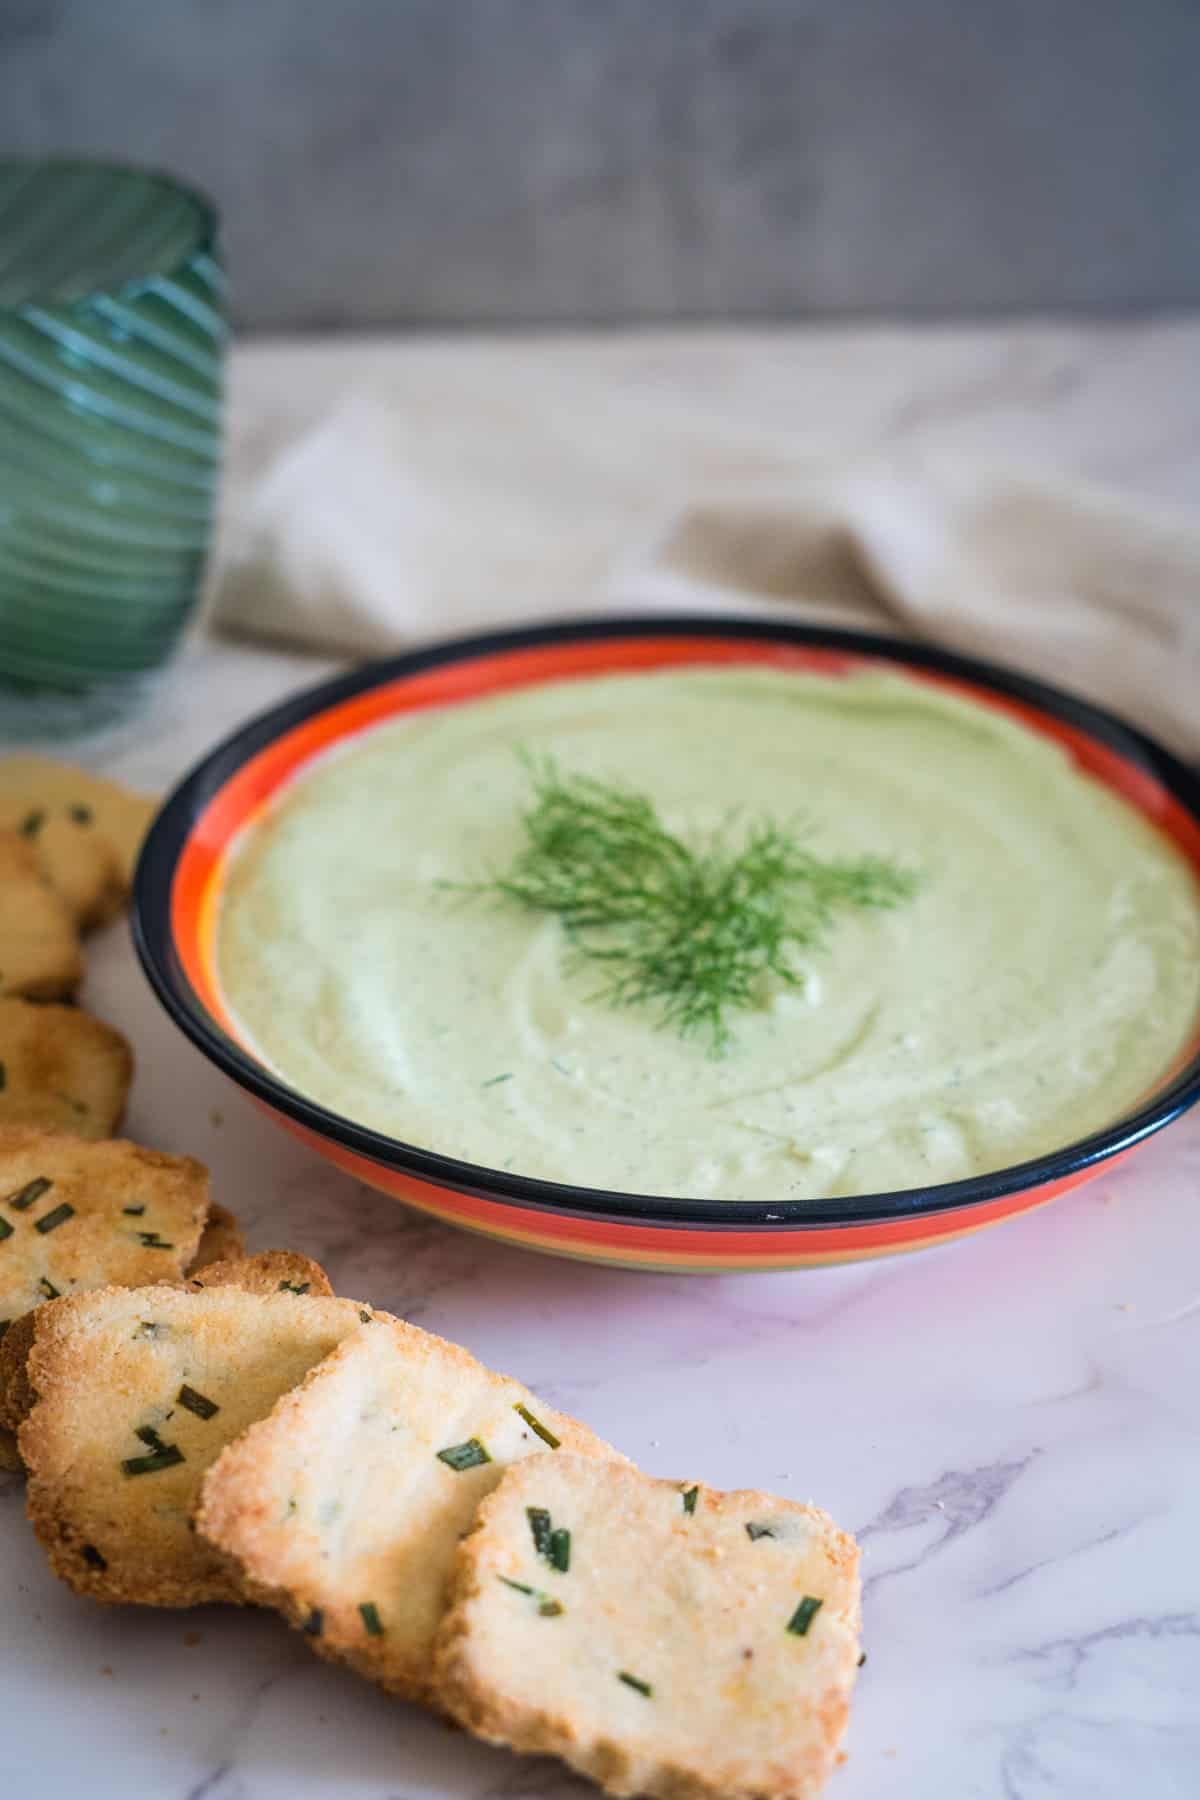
270	1272
343	1507
77	1215
61	1070
220	1241
138	1391
683	1643
83	868
35	790
39	945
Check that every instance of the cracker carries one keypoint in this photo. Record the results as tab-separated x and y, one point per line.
697	1645
36	785
76	1215
138	1391
84	868
39	945
61	1070
343	1507
270	1272
220	1241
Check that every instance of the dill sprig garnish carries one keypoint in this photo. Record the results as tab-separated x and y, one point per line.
690	928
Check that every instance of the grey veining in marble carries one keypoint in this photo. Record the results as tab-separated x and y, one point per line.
448	161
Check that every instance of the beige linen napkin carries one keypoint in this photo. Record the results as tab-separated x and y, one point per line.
363	535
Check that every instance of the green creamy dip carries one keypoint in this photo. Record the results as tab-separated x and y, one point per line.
1045	975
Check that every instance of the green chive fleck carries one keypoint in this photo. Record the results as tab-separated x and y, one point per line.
470	1455
546	1435
496	1080
152	1241
6	1230
197	1403
371	1619
149	1436
558	1553
80	815
48	1289
547	1606
133	1212
24	1197
539	1525
314	1624
294	1287
165	1457
366	1317
804	1615
146	1328
93	1558
690	1497
641	1687
754	1532
52	1220
32	823
518	1586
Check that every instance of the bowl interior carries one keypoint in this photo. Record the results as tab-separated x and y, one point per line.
186	856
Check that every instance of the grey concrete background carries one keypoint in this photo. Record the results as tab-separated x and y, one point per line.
520	161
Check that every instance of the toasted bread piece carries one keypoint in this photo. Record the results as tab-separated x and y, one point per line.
343	1507
61	1070
35	790
682	1643
77	1215
82	867
138	1391
39	945
220	1241
270	1272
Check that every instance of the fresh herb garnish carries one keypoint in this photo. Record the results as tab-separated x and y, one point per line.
690	1497
371	1619
548	1607
133	1212
6	1230
690	928
366	1317
33	1190
93	1558
543	1431
147	1328
197	1403
314	1624
32	823
641	1687
464	1456
539	1525
52	1220
162	1456
295	1287
804	1615
754	1532
47	1289
495	1080
80	815
558	1551
152	1241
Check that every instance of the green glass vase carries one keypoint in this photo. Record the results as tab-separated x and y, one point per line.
112	333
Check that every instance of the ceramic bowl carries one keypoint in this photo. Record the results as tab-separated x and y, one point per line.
183	865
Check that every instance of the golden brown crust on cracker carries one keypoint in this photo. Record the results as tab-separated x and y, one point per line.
37	785
220	1241
62	1070
269	1272
337	1501
80	866
138	1390
40	957
680	1655
76	1215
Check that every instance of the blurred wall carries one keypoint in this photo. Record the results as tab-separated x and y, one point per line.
477	161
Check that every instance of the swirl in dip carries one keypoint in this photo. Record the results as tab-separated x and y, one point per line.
1044	978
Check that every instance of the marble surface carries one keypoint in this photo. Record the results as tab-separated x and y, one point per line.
1011	1424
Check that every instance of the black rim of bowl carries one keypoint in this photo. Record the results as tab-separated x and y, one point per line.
151	921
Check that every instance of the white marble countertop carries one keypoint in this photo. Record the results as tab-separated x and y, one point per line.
1010	1424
